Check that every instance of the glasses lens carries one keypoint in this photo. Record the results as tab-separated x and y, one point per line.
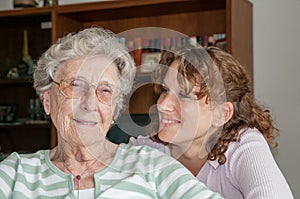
77	88
74	88
105	93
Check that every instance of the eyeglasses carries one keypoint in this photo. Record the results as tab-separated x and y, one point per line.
76	88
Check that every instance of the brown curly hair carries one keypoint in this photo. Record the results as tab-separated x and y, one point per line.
247	112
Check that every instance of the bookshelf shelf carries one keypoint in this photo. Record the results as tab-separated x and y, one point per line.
16	81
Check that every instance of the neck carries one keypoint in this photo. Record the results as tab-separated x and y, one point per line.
194	165
72	152
83	162
192	157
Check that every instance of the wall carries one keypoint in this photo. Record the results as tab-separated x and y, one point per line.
276	68
6	4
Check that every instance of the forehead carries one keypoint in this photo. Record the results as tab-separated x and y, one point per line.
94	69
176	81
172	72
171	76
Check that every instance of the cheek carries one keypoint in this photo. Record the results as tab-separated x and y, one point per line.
105	118
60	113
60	109
159	100
196	120
106	114
203	124
189	112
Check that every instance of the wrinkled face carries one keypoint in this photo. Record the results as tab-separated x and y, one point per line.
183	118
77	113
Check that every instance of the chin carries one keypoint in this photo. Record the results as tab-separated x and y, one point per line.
165	136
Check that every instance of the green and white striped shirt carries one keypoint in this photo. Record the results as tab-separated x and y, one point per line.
135	172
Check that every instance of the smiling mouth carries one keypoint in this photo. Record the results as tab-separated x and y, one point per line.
85	122
169	121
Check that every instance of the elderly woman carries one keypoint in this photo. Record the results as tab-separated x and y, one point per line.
217	130
82	80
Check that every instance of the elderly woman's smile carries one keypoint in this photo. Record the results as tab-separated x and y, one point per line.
85	122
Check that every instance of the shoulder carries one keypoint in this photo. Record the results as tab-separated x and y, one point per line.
163	174
251	144
145	140
10	163
171	178
250	135
145	159
16	165
248	138
253	168
140	140
29	176
144	155
14	160
34	158
251	147
141	151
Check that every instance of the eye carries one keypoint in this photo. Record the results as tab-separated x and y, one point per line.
104	89
164	90
78	83
184	96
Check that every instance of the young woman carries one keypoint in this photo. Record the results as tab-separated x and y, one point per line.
222	139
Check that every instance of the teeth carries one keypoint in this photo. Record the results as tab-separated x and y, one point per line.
166	121
86	122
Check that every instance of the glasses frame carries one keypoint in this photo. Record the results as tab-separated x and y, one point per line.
89	86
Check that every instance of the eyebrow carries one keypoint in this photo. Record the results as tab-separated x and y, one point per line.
106	83
164	83
181	90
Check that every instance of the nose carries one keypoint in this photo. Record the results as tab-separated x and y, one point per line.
167	102
90	100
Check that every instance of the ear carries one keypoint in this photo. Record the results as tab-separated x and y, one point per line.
229	110
222	114
46	102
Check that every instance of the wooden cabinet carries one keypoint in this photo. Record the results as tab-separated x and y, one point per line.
190	17
22	134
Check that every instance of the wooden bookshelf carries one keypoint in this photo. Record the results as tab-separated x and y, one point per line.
190	17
